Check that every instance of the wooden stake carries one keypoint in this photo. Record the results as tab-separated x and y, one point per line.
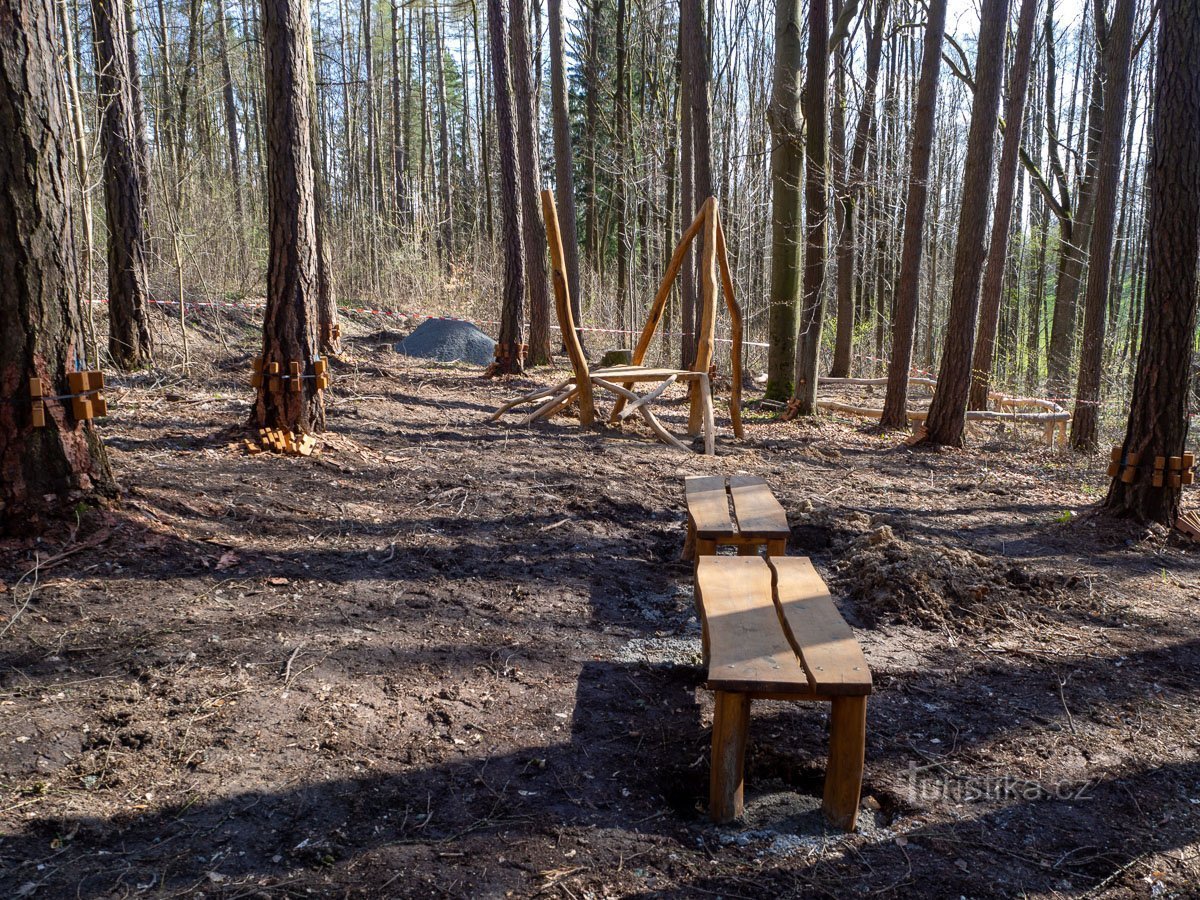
566	318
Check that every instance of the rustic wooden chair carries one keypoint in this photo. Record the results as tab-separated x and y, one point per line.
620	380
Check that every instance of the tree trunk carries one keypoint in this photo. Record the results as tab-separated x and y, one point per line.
138	103
1118	44
1075	235
446	233
948	410
564	170
1158	415
510	350
787	169
687	207
993	278
812	304
231	132
43	471
124	191
533	230
904	316
697	70
290	320
847	200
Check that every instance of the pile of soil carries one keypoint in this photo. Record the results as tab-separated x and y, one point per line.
449	340
894	581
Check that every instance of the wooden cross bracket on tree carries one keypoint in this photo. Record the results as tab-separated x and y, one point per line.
86	393
1167	471
295	376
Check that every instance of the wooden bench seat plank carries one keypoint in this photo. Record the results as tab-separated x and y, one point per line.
747	649
831	656
757	511
708	506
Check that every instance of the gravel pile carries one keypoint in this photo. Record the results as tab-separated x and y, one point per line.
449	340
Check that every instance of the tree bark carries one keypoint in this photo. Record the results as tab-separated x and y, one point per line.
993	277
847	200
446	232
1075	222
812	304
533	229
1158	415
290	320
564	170
904	316
125	190
231	131
510	357
697	70
787	169
1118	44
948	410
42	470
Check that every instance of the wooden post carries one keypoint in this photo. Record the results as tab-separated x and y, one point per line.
731	723
708	314
847	751
735	317
660	299
710	425
562	306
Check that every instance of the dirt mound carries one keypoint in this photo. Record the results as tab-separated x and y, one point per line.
449	340
933	586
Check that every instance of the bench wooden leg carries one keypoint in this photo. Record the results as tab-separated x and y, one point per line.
777	548
847	750
705	547
731	723
689	543
747	550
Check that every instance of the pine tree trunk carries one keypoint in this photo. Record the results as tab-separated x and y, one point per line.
904	315
125	190
446	233
816	213
42	470
231	132
1158	415
847	200
688	209
533	230
993	278
328	328
290	320
510	356
696	70
564	170
787	170
1118	44
948	410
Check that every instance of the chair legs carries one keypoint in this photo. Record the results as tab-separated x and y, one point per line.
731	723
843	771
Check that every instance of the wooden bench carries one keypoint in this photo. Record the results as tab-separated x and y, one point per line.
758	520
771	632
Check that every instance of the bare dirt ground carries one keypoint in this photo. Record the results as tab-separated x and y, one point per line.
454	659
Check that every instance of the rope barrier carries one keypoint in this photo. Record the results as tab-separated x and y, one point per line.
401	314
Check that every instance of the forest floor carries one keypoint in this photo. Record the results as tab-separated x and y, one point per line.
460	659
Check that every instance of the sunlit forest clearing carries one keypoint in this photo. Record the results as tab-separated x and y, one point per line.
612	448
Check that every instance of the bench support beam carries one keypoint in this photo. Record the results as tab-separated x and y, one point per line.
731	725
